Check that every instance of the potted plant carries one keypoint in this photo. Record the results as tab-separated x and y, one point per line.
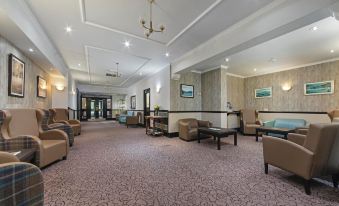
156	110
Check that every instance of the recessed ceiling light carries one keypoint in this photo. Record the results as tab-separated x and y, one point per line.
332	51
127	44
68	29
273	59
255	69
314	28
31	50
227	60
167	54
140	73
79	65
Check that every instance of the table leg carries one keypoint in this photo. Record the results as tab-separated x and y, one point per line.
235	139
218	142
256	135
198	137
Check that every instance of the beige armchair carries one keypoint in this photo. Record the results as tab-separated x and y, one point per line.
22	183
60	115
24	125
306	156
188	128
249	121
334	116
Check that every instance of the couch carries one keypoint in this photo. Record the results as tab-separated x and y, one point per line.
285	123
188	128
61	115
21	183
249	121
313	155
24	126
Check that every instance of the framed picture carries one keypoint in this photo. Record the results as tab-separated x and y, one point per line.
133	102
263	92
326	87
41	87
187	91
16	77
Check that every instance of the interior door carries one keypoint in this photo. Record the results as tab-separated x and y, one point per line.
147	102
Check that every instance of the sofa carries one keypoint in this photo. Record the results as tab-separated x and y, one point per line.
249	121
285	123
21	183
188	128
61	115
310	156
24	127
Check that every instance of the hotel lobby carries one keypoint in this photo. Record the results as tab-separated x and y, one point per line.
169	102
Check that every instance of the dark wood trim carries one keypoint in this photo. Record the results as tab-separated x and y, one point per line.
173	134
292	112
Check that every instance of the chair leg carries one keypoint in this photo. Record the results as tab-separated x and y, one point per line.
335	179
266	168
307	186
64	158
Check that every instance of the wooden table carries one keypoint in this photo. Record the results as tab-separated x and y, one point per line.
25	155
150	131
218	133
282	131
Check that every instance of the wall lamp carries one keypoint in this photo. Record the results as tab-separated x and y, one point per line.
286	87
158	88
59	87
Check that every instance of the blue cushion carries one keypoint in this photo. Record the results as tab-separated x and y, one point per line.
289	123
130	113
122	119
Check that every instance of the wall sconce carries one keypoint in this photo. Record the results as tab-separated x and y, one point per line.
158	88
59	87
286	87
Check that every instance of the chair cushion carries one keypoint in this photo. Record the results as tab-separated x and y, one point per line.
24	122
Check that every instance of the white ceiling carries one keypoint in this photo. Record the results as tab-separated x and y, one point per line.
100	27
300	47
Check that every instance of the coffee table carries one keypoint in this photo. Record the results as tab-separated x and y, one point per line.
218	133
25	155
282	131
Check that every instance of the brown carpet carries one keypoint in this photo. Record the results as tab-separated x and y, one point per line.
112	165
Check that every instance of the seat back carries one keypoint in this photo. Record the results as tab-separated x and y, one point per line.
23	122
319	140
60	114
249	116
193	122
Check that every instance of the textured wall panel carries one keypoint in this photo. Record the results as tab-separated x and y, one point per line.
211	90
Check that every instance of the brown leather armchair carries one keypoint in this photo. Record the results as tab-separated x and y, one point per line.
249	121
306	156
188	128
60	115
23	125
22	182
133	120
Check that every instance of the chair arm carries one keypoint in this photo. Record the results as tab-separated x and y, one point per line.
296	138
21	142
54	134
6	157
302	130
288	156
73	121
61	121
202	123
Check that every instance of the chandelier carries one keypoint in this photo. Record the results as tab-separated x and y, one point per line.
149	28
115	73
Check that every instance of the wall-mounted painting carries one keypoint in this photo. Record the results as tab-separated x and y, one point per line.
133	102
187	91
326	87
16	77
263	92
41	87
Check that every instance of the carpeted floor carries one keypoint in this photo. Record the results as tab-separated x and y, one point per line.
112	165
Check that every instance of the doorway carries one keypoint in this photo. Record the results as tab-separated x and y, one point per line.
96	108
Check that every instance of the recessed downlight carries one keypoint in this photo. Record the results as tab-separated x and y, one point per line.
68	29
314	28
140	73
255	69
127	44
167	54
31	50
273	59
79	65
227	59
332	50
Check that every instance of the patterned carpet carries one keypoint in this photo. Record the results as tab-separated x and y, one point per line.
112	165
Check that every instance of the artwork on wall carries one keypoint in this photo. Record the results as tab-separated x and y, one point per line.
263	92
16	77
41	87
187	91
133	102
326	87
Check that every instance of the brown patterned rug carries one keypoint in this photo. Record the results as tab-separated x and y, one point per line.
112	165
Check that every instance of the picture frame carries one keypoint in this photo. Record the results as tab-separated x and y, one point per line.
186	91
41	87
263	93
133	102
16	77
319	88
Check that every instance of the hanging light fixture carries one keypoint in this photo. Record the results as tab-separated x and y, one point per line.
115	73
149	28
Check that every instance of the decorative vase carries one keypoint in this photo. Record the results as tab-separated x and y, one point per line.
156	112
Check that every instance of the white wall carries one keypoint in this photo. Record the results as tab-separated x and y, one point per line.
59	98
160	79
72	97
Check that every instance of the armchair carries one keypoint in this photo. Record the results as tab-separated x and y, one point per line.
249	121
60	115
334	116
188	128
22	183
133	120
306	156
21	128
